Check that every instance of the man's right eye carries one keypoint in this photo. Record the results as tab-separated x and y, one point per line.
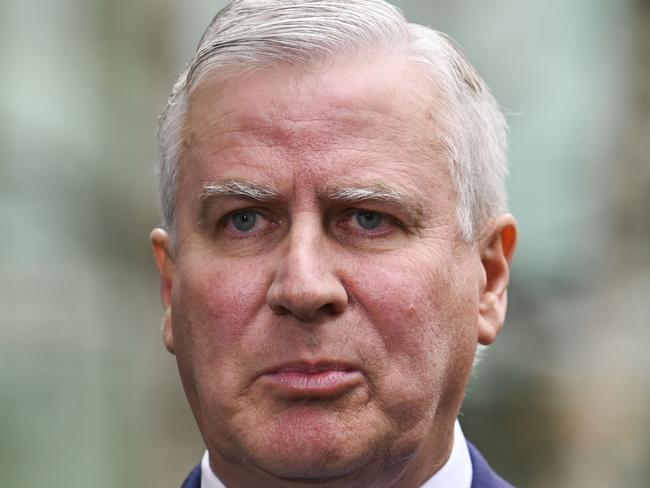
249	222
244	221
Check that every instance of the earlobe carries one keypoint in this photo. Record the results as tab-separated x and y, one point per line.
162	251
497	249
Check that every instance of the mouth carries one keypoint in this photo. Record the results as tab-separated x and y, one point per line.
311	380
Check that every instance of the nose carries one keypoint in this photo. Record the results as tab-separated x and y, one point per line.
306	283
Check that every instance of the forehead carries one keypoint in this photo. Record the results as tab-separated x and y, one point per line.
333	84
339	116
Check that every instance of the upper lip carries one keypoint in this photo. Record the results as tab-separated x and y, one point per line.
310	367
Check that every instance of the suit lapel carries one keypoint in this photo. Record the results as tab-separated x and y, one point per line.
193	479
482	474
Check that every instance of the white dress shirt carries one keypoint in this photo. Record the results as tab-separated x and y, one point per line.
455	473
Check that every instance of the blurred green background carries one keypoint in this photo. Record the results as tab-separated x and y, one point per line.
89	397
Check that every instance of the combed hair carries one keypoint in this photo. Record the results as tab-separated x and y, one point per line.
248	35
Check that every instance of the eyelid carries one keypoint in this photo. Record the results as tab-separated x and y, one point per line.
406	219
388	220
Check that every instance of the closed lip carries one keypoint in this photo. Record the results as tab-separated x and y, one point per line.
311	380
310	367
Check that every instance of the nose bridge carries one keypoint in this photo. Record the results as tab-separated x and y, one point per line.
306	283
306	252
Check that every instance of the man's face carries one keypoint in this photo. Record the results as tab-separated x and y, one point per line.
323	310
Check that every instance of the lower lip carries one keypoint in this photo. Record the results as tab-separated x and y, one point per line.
294	385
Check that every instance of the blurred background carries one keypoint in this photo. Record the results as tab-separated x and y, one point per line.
89	397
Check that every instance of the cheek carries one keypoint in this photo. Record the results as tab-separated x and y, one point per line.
425	316
214	301
397	297
213	310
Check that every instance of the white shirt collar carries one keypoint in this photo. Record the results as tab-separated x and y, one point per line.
208	478
456	472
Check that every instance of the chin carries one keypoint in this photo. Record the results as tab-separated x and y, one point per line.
312	447
310	466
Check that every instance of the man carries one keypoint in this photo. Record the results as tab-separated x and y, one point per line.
335	246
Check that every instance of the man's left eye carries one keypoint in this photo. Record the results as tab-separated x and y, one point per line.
367	223
369	220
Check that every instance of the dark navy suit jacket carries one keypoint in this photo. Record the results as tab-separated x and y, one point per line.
482	477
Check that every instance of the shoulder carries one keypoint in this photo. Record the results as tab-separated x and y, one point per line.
483	476
193	479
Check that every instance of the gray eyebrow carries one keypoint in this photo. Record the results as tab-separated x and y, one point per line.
240	189
214	192
354	195
379	192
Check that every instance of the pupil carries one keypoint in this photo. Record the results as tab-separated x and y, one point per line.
368	220
244	221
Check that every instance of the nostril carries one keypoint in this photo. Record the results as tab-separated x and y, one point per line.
279	310
330	308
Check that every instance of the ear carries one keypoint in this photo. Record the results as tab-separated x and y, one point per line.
497	247
162	252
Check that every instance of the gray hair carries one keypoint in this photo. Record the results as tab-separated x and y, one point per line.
252	34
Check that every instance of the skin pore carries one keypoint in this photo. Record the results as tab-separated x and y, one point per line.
322	308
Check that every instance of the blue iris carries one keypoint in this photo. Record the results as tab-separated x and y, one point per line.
244	221
369	220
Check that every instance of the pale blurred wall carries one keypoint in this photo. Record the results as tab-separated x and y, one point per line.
88	397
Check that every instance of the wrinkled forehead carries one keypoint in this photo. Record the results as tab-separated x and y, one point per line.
355	93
